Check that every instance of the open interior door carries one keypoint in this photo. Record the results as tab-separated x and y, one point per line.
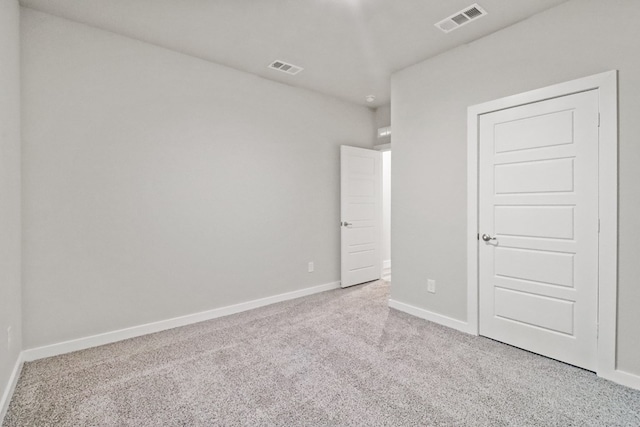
361	215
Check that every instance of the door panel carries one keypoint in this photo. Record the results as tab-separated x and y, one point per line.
361	213
535	132
547	176
538	198
534	310
554	222
553	268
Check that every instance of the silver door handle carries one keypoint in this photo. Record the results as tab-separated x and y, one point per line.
347	224
487	238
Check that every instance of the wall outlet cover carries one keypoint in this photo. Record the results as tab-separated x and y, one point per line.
431	286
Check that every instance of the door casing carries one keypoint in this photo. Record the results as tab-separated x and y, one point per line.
606	85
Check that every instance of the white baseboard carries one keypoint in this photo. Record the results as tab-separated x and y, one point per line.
11	386
430	316
386	269
620	377
624	378
149	328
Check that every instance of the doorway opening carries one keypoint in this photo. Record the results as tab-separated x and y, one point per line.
365	211
386	215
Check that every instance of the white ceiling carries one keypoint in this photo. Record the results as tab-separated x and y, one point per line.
348	48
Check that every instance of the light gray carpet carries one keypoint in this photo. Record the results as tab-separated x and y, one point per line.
340	358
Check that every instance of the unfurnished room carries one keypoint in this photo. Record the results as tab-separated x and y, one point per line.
319	213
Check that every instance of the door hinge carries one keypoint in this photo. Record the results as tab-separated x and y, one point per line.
478	236
598	225
598	119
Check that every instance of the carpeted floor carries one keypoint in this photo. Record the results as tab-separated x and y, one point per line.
340	358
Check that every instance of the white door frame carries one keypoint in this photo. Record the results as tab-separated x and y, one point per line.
607	85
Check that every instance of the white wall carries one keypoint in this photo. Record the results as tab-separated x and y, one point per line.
10	291
158	185
429	110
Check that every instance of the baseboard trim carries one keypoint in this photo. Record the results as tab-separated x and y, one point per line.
624	378
386	269
11	386
620	377
149	328
430	316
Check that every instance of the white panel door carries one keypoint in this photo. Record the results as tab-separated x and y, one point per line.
538	223
361	213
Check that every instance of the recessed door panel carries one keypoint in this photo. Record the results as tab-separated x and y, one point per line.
362	259
362	165
362	187
547	130
552	222
361	235
555	268
357	211
535	311
547	176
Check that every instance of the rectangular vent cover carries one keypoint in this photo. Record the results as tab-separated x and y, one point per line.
285	67
384	131
461	18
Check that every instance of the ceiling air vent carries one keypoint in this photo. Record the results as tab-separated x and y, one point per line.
461	18
285	67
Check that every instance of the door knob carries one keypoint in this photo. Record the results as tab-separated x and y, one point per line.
487	238
347	224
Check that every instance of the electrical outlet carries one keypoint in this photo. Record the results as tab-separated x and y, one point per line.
431	286
9	337
311	267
